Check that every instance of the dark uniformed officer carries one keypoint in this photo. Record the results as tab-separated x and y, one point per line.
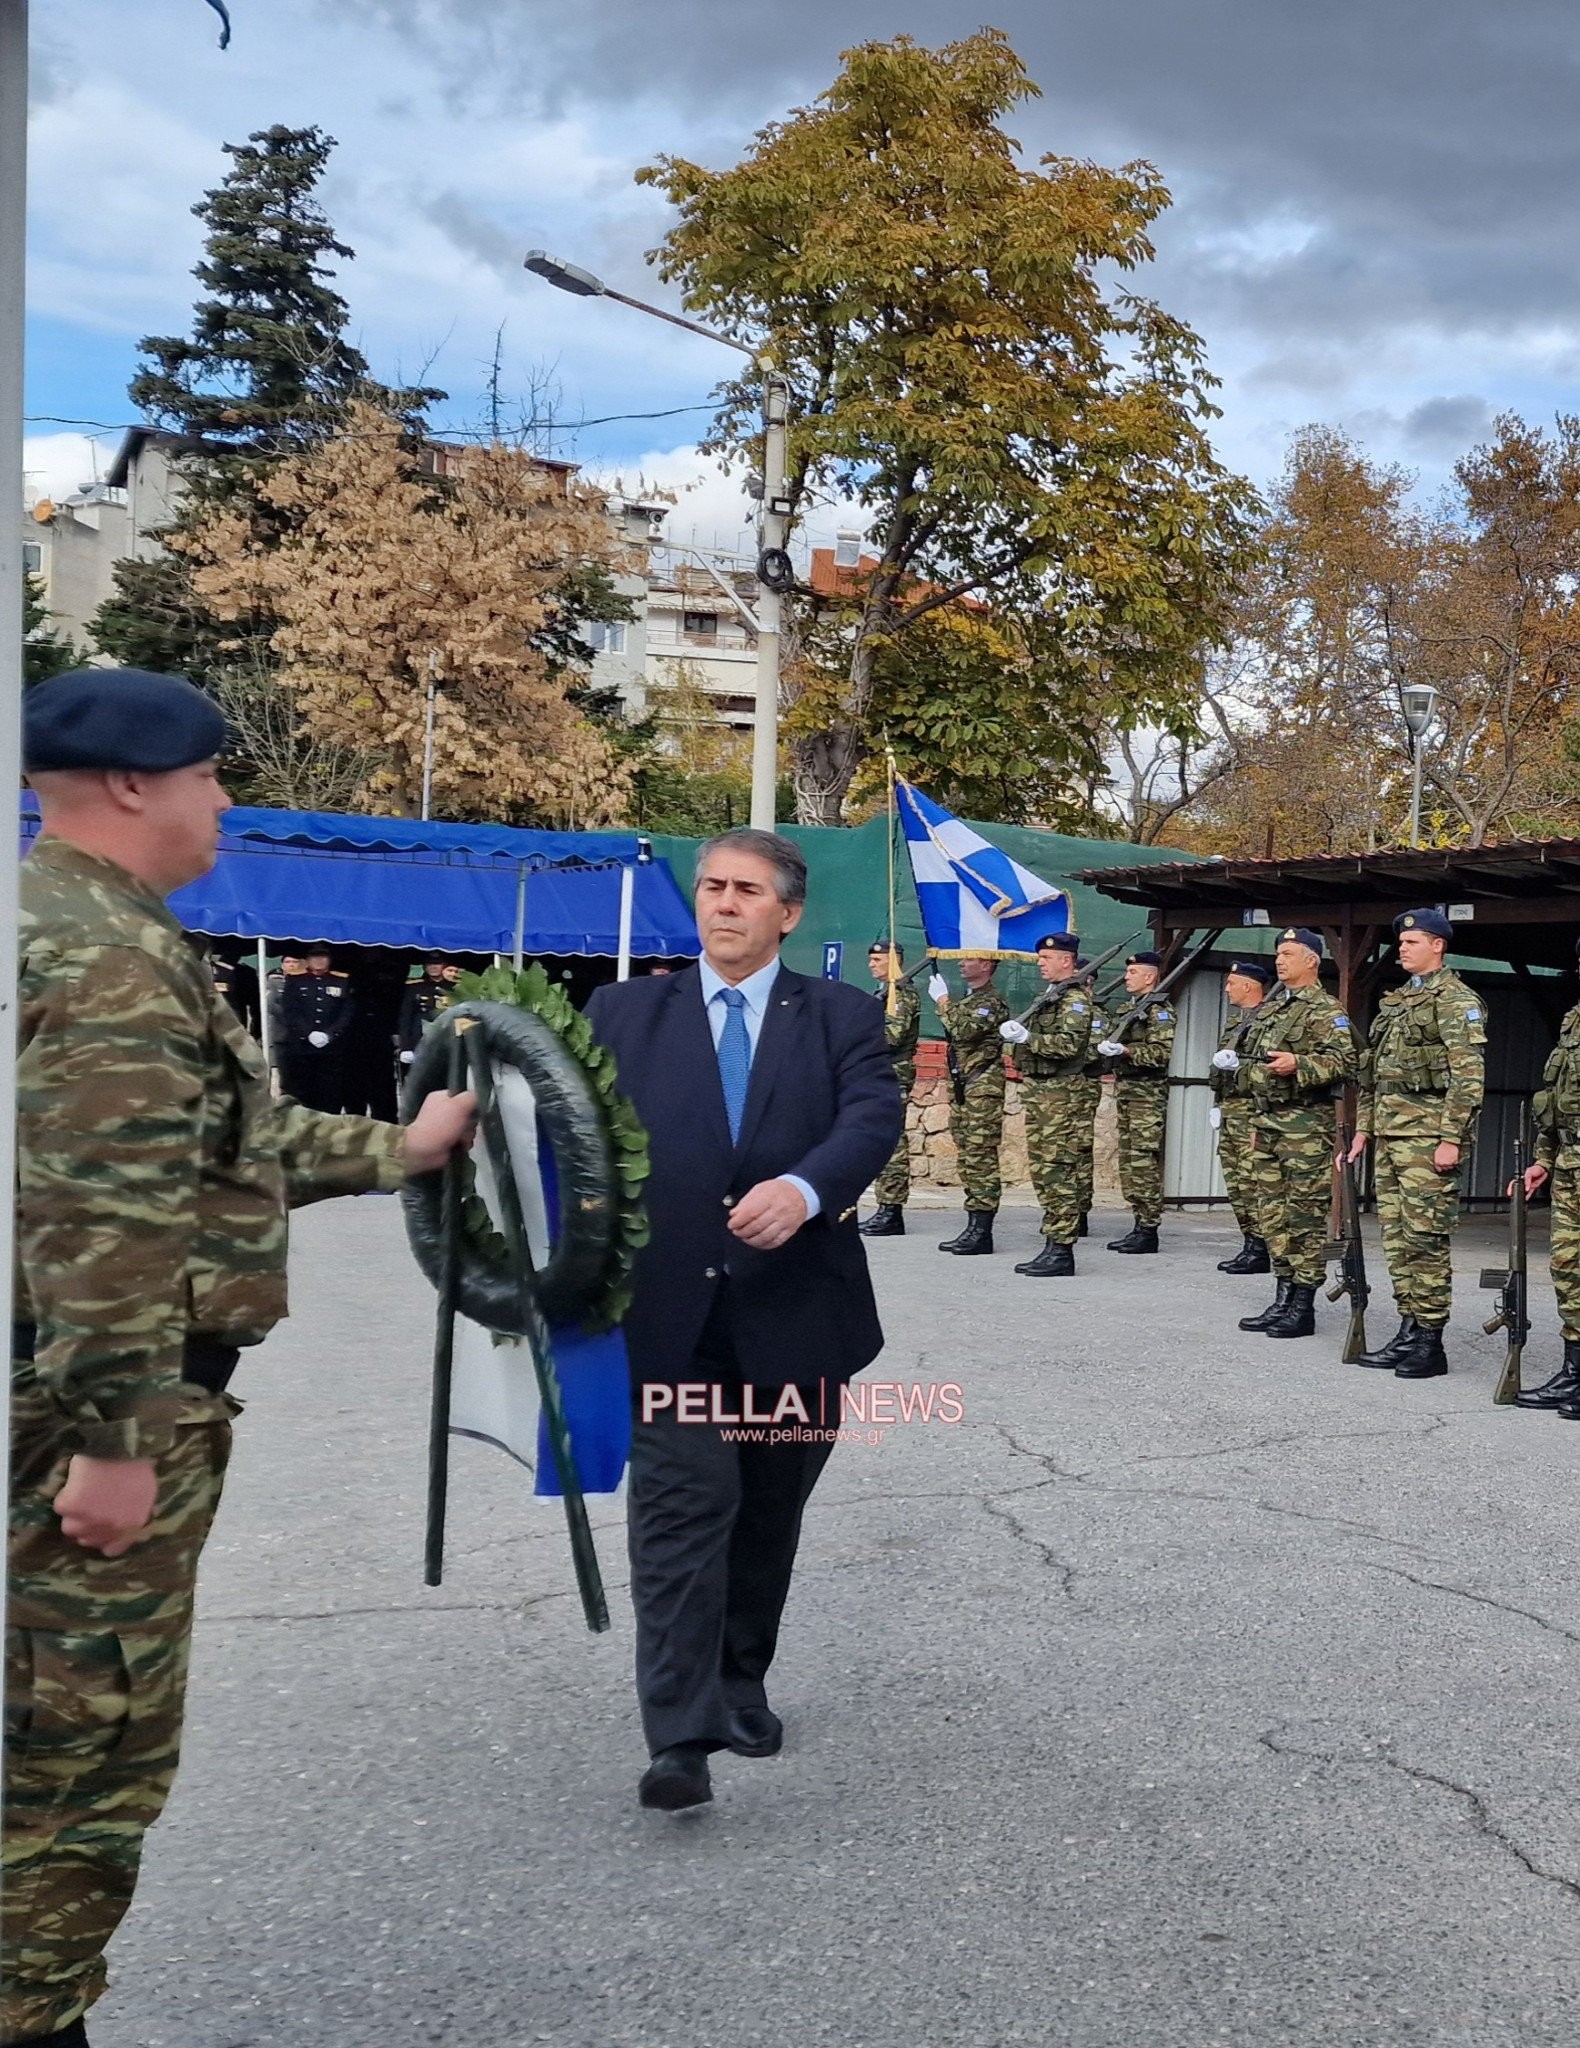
239	986
902	1027
312	1015
423	1001
153	1177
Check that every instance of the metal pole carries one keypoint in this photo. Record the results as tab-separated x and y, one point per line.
622	970
13	255
427	737
1418	742
521	912
265	1030
765	728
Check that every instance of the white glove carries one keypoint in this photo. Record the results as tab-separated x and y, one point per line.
1225	1060
937	987
1017	1034
318	1038
1110	1048
406	1058
1215	1118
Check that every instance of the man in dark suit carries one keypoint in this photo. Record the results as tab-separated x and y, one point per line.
771	1103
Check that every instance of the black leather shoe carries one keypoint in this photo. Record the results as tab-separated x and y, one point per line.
1274	1309
1053	1262
1425	1359
887	1220
676	1778
1388	1355
1570	1411
1252	1257
1143	1238
756	1731
1563	1386
1299	1318
976	1240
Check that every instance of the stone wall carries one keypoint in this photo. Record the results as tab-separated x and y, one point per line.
933	1150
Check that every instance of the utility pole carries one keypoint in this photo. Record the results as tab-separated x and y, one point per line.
774	574
427	736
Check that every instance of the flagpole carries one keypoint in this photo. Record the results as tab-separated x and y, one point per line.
891	1000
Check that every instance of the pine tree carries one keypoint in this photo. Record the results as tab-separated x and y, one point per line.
266	374
44	654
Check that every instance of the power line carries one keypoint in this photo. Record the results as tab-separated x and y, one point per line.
52	419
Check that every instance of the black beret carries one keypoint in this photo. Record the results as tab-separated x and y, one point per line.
893	946
119	718
1148	959
1432	922
1255	970
1302	935
1058	942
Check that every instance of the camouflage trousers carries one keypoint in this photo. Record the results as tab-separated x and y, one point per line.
1292	1162
1565	1253
1143	1121
977	1126
1234	1163
1059	1115
1091	1097
1418	1207
893	1186
96	1667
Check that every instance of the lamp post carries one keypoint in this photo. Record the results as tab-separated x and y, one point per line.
775	575
1417	702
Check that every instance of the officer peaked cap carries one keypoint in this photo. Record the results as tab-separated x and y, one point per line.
124	718
1058	942
1148	959
1432	922
1254	970
1302	935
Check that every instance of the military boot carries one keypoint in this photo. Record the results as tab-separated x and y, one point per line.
1388	1355
976	1239
1563	1386
74	2036
1424	1360
1053	1262
1142	1238
887	1220
1252	1257
1274	1309
1299	1317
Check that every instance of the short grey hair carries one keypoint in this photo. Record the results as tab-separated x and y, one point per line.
782	855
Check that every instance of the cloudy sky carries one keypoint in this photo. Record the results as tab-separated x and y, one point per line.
1374	220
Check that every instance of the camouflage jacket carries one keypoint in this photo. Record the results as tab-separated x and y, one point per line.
153	1169
1235	1084
1421	1075
902	1027
1061	1034
1555	1108
971	1025
1148	1040
1310	1024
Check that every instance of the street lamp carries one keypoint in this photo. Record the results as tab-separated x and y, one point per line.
774	572
1417	701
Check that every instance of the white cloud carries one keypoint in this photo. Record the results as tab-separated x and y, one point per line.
712	510
55	465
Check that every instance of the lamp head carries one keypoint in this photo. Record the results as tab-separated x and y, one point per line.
565	277
1417	701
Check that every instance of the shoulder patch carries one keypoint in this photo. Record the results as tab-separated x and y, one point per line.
1164	1016
1078	1009
1341	1022
1473	1015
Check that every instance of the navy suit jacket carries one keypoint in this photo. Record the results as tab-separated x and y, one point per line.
823	1103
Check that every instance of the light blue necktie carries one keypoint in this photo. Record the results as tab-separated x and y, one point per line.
735	1057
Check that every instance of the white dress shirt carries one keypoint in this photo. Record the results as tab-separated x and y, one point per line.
756	988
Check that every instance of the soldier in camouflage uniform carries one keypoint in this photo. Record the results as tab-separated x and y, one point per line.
1555	1113
1298	1050
153	1177
978	1081
902	1027
1245	985
1051	1049
1138	1048
1421	1084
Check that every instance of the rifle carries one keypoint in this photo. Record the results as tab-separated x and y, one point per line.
1352	1253
1087	974
1142	1004
1514	1307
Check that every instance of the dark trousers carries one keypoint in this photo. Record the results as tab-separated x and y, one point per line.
713	1530
314	1079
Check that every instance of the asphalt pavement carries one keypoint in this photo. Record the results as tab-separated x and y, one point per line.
1191	1689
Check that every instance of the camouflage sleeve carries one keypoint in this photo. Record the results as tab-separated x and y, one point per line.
1329	1053
900	1024
1462	1027
1366	1084
1150	1046
972	1020
109	1131
1062	1031
323	1155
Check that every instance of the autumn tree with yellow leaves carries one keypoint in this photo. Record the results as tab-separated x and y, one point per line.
388	574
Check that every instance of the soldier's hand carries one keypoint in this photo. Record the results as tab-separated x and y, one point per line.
938	989
1282	1063
1535	1179
1445	1159
768	1215
443	1123
1014	1031
106	1503
1358	1146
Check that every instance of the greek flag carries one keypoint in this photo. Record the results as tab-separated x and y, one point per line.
974	899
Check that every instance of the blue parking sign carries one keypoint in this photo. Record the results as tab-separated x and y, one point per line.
833	959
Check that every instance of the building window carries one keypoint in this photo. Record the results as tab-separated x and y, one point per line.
32	558
605	636
847	551
700	625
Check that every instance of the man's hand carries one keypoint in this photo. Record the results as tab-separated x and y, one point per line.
1445	1159
1014	1031
443	1123
938	989
1358	1146
769	1215
106	1503
1283	1064
1535	1179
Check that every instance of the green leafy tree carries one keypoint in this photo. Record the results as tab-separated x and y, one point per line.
44	653
1021	432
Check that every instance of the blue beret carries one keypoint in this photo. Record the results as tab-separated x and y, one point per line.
1144	960
1302	935
119	718
1432	922
1058	942
1255	970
